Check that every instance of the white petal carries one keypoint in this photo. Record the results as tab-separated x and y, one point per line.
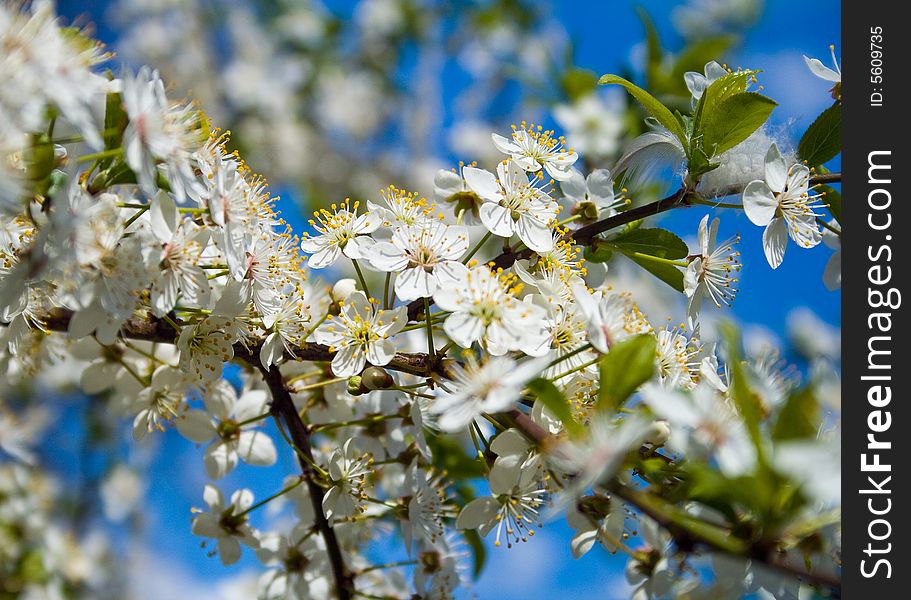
414	283
256	448
196	426
359	247
348	362
379	353
504	145
574	186
832	275
324	256
228	550
388	257
776	169
164	217
477	512
483	183
220	459
759	203
775	241
496	219
463	328
270	353
601	185
534	233
821	71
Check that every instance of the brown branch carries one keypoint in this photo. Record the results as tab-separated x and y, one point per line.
283	407
155	330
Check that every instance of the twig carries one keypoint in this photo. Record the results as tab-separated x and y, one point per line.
283	406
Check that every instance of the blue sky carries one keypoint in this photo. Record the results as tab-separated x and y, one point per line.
606	33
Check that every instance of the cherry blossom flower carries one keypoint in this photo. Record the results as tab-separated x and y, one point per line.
485	309
160	402
532	147
158	130
206	345
233	429
450	187
361	333
593	124
784	205
226	524
513	509
513	204
348	470
181	245
422	256
704	423
825	73
341	231
492	387
611	317
697	83
650	570
401	208
710	274
589	198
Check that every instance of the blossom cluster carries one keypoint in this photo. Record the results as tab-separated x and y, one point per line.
473	320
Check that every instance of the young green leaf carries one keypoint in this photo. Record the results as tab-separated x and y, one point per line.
733	120
651	241
651	105
799	417
669	274
822	140
721	89
644	246
628	365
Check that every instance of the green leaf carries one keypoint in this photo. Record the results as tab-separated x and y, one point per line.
651	241
598	252
643	243
799	417
746	400
822	140
578	82
624	368
654	53
115	121
733	120
551	396
450	456
479	553
669	274
650	104
721	89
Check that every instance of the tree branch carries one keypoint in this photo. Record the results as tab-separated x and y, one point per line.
283	407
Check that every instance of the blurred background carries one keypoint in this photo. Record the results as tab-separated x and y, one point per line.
339	99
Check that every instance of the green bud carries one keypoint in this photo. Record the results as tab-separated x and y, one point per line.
356	386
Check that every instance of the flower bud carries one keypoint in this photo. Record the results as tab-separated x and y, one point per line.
342	289
659	433
375	378
356	386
